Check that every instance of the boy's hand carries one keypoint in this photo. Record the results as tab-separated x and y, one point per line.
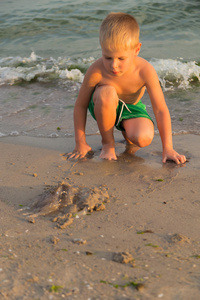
80	151
171	154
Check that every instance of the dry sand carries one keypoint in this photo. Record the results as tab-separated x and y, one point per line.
145	244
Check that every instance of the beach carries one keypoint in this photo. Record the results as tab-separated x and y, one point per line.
152	216
94	229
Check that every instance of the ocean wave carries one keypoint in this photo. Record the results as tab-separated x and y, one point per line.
14	70
176	73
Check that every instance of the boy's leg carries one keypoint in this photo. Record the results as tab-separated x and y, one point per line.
138	131
105	104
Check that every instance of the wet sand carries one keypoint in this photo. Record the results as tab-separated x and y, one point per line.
144	244
46	110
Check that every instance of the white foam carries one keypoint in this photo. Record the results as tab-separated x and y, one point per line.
14	133
53	135
176	73
2	134
16	69
74	74
172	73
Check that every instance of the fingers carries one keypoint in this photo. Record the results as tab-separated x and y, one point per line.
178	159
183	159
164	160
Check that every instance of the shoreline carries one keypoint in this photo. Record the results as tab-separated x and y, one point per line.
31	110
152	214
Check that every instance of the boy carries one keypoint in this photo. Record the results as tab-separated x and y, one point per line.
112	89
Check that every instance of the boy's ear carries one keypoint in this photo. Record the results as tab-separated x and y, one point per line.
137	48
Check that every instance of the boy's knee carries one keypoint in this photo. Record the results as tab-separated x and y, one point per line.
142	140
139	131
106	95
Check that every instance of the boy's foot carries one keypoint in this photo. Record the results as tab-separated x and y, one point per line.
131	149
108	152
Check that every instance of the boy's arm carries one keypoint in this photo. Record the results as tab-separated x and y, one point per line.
80	115
162	115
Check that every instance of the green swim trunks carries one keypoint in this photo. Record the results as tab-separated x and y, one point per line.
124	112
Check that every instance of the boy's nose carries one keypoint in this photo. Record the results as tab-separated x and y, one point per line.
114	63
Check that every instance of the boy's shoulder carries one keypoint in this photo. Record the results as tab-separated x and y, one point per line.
94	73
143	63
95	68
145	68
97	65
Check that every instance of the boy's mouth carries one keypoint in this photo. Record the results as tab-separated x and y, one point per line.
115	72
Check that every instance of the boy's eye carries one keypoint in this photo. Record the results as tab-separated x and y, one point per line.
110	58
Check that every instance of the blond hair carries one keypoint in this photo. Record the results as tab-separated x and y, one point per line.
119	30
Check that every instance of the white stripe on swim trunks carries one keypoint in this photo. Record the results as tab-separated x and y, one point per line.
123	104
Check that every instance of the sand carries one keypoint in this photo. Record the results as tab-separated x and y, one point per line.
143	244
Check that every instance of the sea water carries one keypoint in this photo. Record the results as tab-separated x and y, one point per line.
46	47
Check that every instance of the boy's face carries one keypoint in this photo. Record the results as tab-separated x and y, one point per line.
118	62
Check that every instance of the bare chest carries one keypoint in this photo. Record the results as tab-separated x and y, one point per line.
127	90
